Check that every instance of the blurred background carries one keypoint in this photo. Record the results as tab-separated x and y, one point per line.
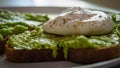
110	5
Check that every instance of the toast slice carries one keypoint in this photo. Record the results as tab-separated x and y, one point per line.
79	55
65	49
90	55
2	45
33	46
34	55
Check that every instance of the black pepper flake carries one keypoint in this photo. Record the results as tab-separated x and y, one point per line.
64	21
50	25
54	21
100	16
103	23
74	25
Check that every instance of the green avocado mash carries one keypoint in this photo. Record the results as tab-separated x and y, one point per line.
38	39
15	23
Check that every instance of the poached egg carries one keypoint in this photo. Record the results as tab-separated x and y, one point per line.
79	21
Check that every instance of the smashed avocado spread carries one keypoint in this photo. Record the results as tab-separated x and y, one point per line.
38	39
14	22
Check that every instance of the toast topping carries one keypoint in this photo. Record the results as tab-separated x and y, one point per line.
79	21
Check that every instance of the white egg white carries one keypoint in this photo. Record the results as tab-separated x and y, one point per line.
79	21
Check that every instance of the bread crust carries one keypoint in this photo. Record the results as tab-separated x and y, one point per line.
2	45
89	55
33	55
78	55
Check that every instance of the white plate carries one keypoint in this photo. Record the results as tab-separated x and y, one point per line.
52	12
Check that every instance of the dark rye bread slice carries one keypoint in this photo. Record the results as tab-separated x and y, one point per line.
82	55
35	55
2	45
